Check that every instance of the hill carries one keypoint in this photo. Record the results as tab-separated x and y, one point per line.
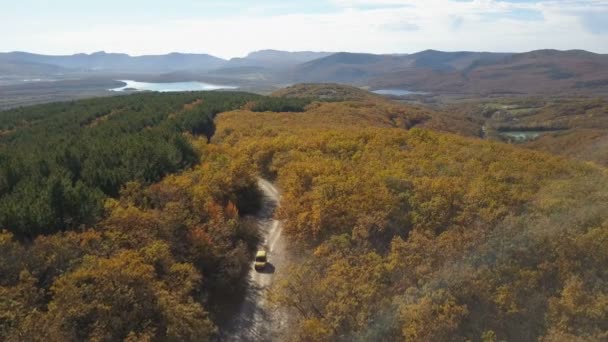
580	144
274	59
450	61
268	67
328	91
121	219
409	234
346	67
363	104
573	127
473	73
361	67
538	72
29	69
102	61
18	63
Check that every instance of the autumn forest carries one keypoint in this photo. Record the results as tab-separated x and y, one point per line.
128	218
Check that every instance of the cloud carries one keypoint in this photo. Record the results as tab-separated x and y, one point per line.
382	26
596	22
404	26
456	22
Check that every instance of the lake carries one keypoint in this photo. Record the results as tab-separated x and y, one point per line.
523	136
396	92
169	87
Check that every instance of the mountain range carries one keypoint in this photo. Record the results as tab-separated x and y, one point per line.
486	73
119	62
102	61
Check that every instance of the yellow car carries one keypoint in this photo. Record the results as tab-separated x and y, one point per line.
260	260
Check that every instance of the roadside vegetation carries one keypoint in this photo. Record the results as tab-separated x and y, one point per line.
120	222
425	236
146	271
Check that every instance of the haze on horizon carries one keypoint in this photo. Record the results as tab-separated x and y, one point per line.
233	28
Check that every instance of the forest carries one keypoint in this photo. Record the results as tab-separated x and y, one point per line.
419	235
125	219
58	162
147	271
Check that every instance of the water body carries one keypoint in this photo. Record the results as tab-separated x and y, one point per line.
169	87
396	92
522	136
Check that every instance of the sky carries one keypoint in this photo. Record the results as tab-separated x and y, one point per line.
233	28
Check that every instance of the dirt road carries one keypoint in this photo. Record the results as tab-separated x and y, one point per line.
254	320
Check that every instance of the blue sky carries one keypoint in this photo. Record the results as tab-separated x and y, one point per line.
232	28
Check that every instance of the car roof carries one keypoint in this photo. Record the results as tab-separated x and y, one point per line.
260	254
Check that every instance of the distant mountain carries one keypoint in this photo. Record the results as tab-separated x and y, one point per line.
102	61
259	64
464	72
439	60
345	66
274	59
28	69
348	58
536	72
348	67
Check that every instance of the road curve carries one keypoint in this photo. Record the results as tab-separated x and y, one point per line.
254	321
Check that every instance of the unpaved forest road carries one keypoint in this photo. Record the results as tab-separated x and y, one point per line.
255	321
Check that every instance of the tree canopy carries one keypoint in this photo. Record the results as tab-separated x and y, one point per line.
59	161
124	221
426	236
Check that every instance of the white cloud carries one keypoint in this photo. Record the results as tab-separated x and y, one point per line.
383	26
